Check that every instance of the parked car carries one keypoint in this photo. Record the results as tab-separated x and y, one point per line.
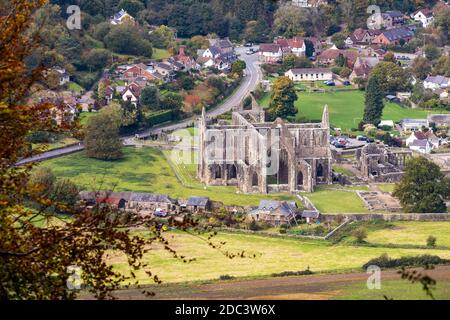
250	52
347	83
160	213
248	44
339	146
331	84
361	138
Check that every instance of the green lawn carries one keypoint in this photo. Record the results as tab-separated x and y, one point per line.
75	87
272	255
159	54
146	170
412	233
346	108
392	289
336	201
84	117
388	187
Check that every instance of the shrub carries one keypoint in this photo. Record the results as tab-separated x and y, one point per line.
293	273
431	241
226	277
419	261
360	234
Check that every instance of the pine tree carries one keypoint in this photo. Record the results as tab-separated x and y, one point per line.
374	101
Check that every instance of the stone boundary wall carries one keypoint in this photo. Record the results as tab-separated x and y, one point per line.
390	217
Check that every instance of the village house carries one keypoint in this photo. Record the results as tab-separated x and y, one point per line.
311	216
309	74
421	136
131	93
149	203
422	146
220	54
297	46
329	56
198	204
270	53
361	37
394	36
122	17
363	67
436	82
392	19
424	16
276	213
187	61
413	124
61	74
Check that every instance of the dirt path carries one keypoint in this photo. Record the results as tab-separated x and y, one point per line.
314	287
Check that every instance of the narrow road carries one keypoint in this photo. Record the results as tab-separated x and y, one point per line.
249	83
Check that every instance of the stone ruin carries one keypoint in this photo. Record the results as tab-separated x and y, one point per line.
379	163
263	157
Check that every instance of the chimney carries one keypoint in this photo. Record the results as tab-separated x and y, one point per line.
182	50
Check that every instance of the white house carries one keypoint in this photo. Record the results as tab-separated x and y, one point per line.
270	53
436	82
131	93
309	74
419	135
424	16
422	146
121	17
297	46
63	76
413	124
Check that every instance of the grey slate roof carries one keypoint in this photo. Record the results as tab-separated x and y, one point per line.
198	201
310	214
286	208
398	33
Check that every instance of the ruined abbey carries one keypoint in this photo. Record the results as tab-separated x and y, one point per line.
264	157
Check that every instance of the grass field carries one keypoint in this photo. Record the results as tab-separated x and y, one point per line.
392	289
334	201
273	255
159	54
412	233
146	170
346	108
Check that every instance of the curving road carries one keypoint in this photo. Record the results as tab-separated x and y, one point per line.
253	76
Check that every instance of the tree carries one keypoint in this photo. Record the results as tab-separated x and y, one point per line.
432	52
34	261
360	234
374	105
309	48
149	98
162	37
282	99
97	59
392	77
128	39
133	7
238	68
289	21
102	139
172	101
421	68
291	61
442	66
423	188
256	31
431	241
390	57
